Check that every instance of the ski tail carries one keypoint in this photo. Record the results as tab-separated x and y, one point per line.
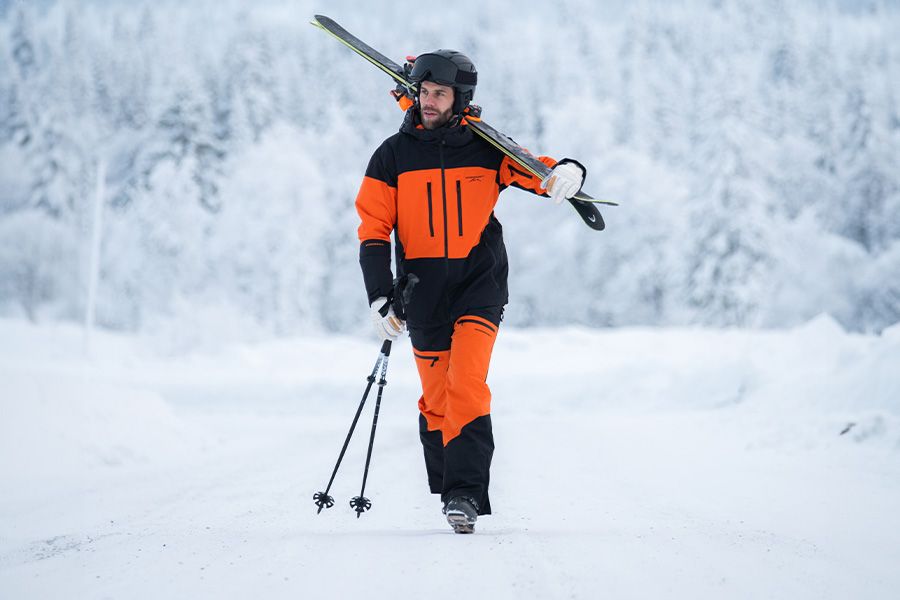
363	49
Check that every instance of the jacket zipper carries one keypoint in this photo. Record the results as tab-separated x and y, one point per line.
430	211
459	205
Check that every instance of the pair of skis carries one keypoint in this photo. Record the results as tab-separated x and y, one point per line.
584	204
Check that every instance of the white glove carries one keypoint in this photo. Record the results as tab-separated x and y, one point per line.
389	326
563	182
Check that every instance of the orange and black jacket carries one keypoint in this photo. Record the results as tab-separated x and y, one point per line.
435	190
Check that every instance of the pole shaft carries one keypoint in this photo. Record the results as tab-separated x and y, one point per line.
381	383
362	403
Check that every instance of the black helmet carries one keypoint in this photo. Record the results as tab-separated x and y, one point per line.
448	67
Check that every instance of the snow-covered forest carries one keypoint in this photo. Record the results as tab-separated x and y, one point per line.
753	147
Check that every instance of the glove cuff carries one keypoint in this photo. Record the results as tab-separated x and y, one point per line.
579	165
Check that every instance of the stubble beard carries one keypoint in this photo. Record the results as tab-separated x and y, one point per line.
437	121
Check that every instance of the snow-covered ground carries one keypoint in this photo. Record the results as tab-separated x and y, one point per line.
631	463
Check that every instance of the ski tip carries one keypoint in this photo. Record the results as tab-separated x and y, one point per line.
589	214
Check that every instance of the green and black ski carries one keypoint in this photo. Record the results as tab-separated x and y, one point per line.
582	202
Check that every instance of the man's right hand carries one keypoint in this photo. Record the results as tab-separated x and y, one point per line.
387	325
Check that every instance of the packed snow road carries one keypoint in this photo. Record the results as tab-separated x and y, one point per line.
629	464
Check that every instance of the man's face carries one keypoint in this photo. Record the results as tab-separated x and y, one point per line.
435	104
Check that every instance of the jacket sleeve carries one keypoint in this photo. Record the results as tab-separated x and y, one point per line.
376	204
511	173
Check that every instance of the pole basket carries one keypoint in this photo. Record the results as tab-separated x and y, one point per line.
360	504
323	500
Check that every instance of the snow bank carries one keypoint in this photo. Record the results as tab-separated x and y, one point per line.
69	417
63	426
814	376
64	419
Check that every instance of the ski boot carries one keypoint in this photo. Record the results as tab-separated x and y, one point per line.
462	512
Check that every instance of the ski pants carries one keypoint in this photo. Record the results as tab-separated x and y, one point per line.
455	406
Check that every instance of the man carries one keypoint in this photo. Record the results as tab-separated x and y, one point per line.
434	186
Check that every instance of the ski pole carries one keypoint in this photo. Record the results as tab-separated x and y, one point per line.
361	503
322	499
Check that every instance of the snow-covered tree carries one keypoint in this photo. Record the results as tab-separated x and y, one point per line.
749	143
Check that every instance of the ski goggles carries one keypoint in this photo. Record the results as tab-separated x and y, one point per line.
432	67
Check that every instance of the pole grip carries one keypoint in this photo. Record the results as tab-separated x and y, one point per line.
386	348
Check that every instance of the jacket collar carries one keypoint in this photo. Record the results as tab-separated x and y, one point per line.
452	135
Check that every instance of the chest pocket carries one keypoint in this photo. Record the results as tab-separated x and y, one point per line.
432	224
420	213
472	197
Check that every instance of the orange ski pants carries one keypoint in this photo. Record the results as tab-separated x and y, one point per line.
455	406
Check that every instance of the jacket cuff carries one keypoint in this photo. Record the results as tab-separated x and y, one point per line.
375	260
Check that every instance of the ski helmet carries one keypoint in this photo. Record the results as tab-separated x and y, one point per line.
448	67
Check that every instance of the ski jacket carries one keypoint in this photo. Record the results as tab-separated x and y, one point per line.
435	190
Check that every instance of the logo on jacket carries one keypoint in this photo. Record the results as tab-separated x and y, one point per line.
474	178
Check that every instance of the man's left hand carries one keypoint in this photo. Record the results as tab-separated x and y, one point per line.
563	182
